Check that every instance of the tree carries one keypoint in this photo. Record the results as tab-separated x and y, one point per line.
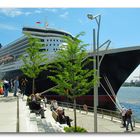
71	78
34	61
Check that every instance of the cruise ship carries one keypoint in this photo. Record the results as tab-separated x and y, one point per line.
115	68
9	54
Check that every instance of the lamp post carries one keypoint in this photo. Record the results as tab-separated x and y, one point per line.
95	63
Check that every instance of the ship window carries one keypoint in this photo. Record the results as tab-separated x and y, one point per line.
50	39
54	40
42	40
47	39
54	44
57	44
42	50
57	39
50	44
47	49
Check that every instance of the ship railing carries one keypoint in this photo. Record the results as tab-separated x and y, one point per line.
103	113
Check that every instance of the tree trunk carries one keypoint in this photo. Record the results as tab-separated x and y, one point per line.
75	121
33	86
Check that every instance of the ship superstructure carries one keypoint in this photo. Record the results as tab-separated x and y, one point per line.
9	54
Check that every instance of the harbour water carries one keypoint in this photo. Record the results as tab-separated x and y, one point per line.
129	97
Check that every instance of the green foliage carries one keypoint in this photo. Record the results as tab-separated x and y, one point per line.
70	76
72	129
35	61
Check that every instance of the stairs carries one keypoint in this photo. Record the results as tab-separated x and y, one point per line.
29	122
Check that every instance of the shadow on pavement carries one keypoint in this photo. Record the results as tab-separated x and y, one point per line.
8	99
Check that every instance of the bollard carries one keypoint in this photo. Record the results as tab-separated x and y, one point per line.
79	109
102	114
111	114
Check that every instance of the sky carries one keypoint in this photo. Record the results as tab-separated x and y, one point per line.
120	25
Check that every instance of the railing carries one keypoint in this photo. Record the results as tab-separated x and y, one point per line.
90	109
104	113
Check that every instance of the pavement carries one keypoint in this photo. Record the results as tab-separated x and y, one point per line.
104	125
30	123
8	114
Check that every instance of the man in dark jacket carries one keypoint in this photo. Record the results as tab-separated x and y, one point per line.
128	119
35	106
6	88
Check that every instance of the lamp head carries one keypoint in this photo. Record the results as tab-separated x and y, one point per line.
91	16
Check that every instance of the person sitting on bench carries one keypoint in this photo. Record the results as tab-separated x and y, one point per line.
54	105
35	106
61	118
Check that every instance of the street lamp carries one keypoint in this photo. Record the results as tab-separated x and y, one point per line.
95	63
90	16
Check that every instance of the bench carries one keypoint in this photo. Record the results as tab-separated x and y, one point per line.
54	115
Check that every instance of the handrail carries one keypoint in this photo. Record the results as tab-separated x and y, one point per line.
103	112
90	108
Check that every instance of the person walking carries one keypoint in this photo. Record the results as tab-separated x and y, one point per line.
124	110
23	86
16	86
6	88
128	119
